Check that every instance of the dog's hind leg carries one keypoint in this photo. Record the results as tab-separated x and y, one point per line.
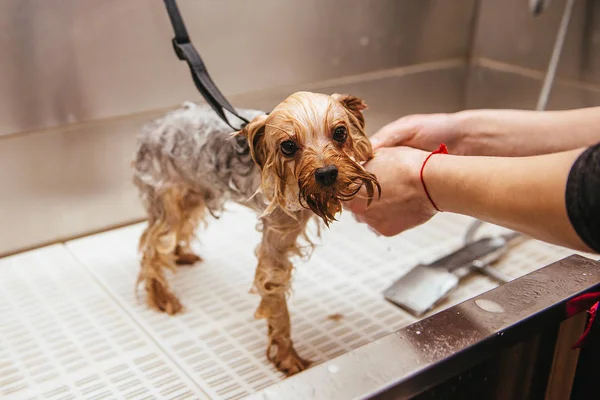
193	212
272	280
158	244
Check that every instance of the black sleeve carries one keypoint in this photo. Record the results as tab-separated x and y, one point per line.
583	197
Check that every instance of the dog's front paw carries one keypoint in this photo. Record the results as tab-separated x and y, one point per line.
187	259
284	356
185	256
160	298
291	363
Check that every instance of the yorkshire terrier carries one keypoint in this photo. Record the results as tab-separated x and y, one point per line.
301	160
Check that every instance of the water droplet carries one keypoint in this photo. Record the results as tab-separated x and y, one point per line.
489	306
418	332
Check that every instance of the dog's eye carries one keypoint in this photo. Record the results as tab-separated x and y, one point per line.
289	148
340	134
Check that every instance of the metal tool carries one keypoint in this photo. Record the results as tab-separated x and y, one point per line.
426	285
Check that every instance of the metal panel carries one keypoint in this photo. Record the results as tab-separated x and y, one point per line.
494	88
79	60
507	32
68	182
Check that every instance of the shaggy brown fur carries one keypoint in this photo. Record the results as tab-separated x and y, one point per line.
188	164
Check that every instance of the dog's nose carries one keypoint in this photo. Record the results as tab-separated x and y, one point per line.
326	176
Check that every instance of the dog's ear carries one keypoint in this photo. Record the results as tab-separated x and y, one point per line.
354	105
254	133
361	145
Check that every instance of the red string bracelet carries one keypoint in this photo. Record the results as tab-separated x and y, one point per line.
441	150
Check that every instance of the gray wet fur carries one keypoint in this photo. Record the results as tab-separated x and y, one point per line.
192	147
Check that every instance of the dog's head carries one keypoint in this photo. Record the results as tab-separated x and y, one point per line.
310	149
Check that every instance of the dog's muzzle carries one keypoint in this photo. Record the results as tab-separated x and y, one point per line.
326	176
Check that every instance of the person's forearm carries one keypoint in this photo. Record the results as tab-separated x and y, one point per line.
527	133
525	194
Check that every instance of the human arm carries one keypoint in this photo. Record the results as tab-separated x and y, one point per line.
509	133
526	194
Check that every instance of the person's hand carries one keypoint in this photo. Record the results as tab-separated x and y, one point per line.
500	133
425	132
403	204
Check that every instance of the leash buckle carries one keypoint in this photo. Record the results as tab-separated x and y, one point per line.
177	48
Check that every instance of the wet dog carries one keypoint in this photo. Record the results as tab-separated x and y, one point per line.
298	162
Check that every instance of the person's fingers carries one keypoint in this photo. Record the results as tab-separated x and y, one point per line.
373	230
394	134
359	203
359	218
388	136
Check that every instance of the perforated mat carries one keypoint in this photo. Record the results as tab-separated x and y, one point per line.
82	297
63	337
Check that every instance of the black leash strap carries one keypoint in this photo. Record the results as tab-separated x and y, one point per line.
185	51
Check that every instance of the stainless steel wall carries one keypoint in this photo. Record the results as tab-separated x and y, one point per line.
79	77
511	51
72	60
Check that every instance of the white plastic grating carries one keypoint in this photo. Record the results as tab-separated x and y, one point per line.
216	342
63	337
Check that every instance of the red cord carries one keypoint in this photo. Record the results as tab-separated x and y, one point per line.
441	150
579	304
